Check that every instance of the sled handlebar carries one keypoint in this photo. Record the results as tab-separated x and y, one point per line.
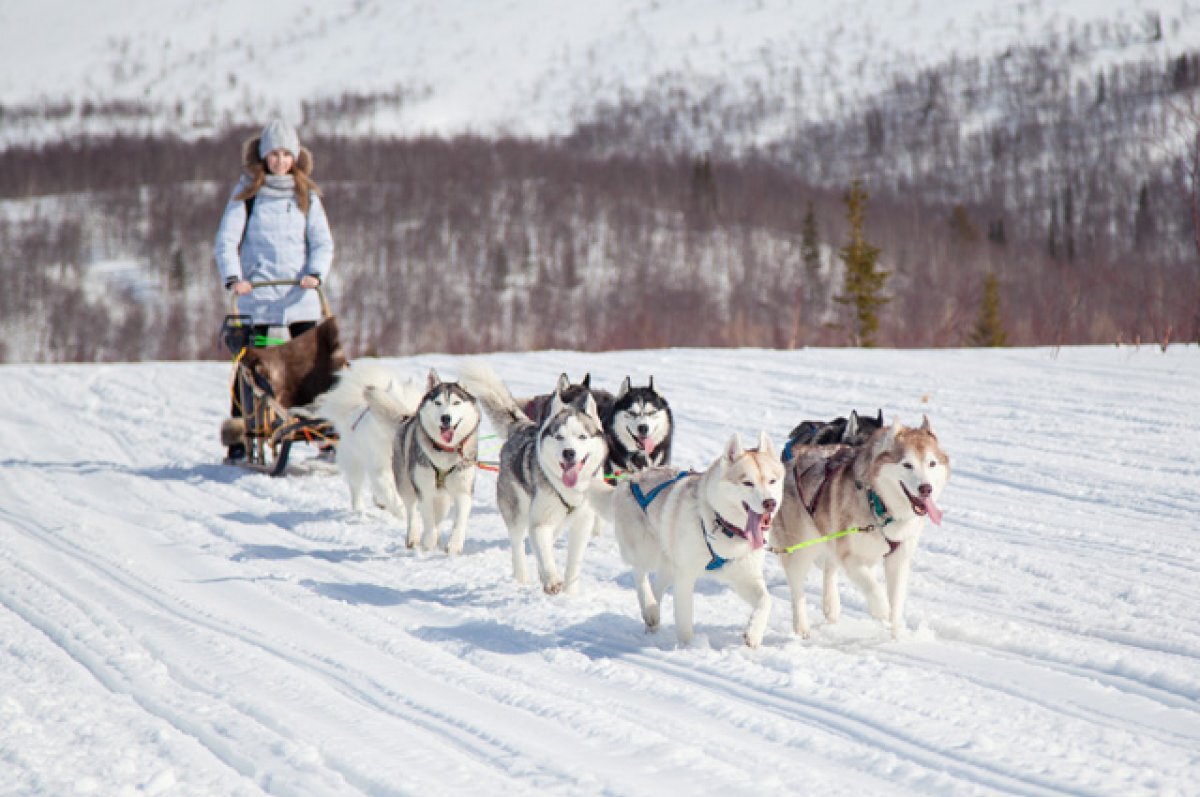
320	289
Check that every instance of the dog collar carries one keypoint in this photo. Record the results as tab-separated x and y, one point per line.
880	510
717	561
730	530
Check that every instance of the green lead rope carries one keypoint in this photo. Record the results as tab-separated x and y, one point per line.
876	506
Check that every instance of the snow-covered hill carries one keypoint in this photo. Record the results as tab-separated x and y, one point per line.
531	67
173	626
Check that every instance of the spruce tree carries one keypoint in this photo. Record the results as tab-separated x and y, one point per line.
864	278
810	251
989	329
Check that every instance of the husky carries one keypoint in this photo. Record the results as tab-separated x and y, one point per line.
546	471
638	429
426	449
852	431
874	498
365	437
683	525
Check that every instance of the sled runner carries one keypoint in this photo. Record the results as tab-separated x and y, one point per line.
273	382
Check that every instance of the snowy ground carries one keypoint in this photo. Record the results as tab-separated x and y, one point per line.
169	625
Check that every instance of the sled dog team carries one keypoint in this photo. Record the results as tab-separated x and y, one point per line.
847	494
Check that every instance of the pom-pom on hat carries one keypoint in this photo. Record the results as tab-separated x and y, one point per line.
279	135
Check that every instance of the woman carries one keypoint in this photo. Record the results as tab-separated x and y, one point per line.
274	228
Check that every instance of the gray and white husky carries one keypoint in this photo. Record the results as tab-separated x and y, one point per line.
876	497
426	449
546	471
684	525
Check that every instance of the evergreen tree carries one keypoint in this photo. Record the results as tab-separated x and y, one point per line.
810	249
988	329
864	279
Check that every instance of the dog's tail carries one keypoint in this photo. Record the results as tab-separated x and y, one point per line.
499	405
367	387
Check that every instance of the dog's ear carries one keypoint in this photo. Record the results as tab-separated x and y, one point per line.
889	437
625	386
587	381
556	403
653	389
562	384
851	430
589	406
926	426
879	418
434	380
764	444
734	449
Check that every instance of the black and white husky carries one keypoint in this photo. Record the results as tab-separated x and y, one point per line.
418	456
546	470
638	428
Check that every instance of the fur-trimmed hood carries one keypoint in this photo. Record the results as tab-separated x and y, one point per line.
250	157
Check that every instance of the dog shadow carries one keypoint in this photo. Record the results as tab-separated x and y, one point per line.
278	553
603	636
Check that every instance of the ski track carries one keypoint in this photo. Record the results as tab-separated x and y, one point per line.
282	624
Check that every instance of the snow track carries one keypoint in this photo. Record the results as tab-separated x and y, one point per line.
173	626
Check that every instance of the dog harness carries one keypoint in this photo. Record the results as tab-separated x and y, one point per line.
439	475
877	508
644	499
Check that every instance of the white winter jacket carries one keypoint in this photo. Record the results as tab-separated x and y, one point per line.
279	243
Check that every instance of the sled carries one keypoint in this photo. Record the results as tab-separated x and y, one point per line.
273	382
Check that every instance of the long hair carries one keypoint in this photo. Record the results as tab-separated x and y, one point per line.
256	167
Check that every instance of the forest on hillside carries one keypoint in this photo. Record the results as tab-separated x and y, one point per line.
655	224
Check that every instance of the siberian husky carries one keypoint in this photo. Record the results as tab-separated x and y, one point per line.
681	526
638	428
427	449
876	497
546	470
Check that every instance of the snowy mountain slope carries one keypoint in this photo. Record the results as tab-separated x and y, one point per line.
174	626
531	67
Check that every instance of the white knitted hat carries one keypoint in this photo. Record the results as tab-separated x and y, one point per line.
279	135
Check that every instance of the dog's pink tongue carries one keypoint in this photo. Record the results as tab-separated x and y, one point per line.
931	509
571	474
447	435
647	444
755	527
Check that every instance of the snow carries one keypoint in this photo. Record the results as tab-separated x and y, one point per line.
526	66
173	626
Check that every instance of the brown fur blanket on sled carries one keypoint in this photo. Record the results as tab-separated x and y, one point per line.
303	368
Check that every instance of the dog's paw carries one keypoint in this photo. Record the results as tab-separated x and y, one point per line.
651	616
804	632
553	587
752	638
454	550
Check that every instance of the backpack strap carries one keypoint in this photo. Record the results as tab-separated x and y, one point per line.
249	203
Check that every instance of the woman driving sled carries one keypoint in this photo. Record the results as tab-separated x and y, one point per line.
274	228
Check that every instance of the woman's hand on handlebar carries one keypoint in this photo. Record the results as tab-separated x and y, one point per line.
242	287
309	281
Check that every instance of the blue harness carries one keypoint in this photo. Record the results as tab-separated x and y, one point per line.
644	499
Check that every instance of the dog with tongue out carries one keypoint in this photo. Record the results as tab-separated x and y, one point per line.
546	471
